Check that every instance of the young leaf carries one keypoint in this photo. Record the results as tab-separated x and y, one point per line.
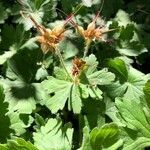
119	67
105	137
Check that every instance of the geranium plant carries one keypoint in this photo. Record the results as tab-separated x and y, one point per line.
74	75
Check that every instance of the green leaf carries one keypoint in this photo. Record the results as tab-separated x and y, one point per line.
20	144
54	135
111	7
127	33
111	110
87	3
23	66
127	37
140	143
95	92
135	84
62	91
122	18
147	89
105	137
75	99
86	145
20	122
136	122
7	55
116	89
13	38
91	63
60	73
39	10
69	48
119	68
3	13
96	108
23	97
133	48
4	120
41	74
132	89
94	77
20	97
3	147
102	77
39	120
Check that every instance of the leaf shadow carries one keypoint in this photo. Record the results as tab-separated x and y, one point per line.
23	92
4	120
94	111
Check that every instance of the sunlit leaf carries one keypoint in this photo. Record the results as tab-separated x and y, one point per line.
54	135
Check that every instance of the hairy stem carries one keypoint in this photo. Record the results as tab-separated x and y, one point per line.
62	63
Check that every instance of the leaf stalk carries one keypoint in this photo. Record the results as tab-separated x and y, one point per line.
63	64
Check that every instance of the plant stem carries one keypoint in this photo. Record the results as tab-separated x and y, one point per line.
110	30
80	119
86	49
62	63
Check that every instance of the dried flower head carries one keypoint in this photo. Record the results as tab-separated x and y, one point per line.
50	38
78	66
92	32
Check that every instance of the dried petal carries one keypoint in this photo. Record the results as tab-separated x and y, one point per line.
91	26
80	30
78	65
